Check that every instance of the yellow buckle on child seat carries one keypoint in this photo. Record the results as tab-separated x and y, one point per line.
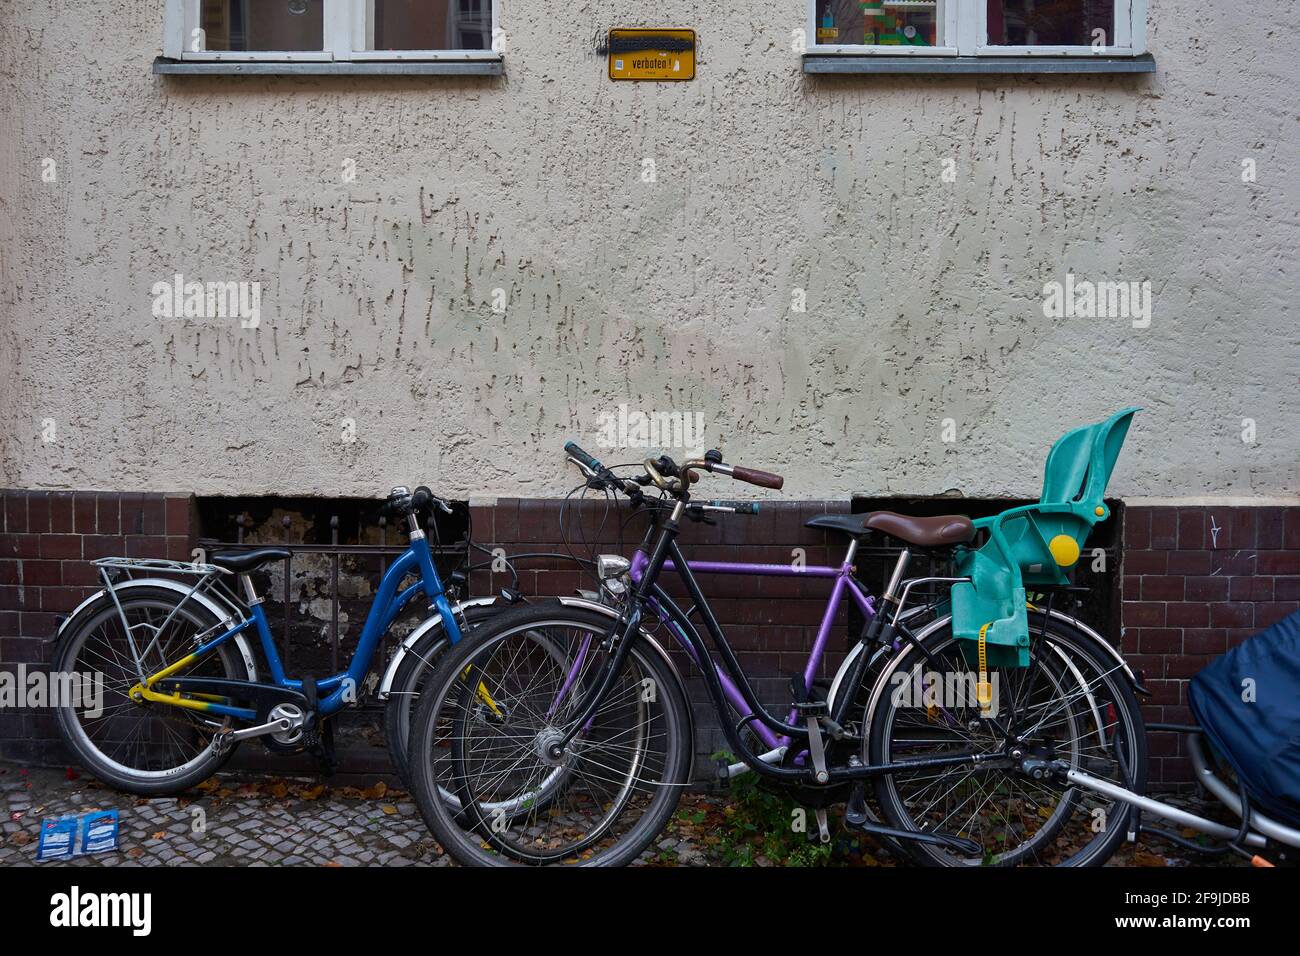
984	689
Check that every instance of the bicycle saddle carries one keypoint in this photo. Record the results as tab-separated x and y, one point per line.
938	531
241	562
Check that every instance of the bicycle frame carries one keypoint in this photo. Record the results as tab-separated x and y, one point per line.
770	729
336	690
844	582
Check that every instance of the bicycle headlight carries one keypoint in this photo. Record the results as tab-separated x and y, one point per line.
611	566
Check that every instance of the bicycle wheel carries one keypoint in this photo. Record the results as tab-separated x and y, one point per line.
495	704
145	748
1073	703
405	693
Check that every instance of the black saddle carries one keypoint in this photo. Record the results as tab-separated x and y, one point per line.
241	562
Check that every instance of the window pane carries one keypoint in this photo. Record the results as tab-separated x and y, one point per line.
1049	22
250	25
878	22
428	24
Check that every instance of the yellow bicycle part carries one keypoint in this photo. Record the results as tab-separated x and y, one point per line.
483	694
145	692
984	689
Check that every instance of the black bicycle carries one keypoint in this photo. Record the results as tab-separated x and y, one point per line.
574	717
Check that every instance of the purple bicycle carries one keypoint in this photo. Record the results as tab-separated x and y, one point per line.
564	731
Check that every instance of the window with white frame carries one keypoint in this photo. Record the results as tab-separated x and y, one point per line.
330	29
979	27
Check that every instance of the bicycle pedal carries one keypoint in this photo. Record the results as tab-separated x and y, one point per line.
321	746
855	811
813	708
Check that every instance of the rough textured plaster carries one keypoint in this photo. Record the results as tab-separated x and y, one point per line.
924	297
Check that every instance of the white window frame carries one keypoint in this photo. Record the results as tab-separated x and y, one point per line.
344	38
965	33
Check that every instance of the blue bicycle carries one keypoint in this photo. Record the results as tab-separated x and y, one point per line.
179	683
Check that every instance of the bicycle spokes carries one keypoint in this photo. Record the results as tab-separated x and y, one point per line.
516	788
128	731
1057	713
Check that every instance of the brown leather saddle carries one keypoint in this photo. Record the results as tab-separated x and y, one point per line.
940	531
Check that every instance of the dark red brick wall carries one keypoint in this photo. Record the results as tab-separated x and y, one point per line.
1195	581
47	540
1198	581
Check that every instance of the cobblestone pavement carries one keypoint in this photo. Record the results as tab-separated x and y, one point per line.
303	822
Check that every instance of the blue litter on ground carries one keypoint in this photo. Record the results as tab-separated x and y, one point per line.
58	839
99	832
65	837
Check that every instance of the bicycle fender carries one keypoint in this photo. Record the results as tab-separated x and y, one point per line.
221	611
424	627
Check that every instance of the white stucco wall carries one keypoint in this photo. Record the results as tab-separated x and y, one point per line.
923	297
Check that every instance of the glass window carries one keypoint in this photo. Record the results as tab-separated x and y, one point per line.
323	30
912	23
428	25
978	27
263	25
1050	22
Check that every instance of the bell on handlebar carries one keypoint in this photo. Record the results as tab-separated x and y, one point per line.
713	456
666	466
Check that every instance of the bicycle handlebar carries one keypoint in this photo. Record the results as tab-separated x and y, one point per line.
581	457
733	507
402	502
764	479
664	468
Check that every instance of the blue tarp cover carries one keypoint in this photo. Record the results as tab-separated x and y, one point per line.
1248	703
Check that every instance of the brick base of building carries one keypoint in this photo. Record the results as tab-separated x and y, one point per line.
1192	582
1197	581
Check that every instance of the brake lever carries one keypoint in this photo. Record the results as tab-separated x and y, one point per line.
587	472
697	513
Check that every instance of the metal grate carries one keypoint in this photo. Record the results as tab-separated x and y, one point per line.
349	569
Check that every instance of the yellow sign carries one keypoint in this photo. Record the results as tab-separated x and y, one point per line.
652	55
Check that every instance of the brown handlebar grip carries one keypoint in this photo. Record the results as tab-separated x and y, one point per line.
764	479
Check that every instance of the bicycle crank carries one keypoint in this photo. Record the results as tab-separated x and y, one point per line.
285	727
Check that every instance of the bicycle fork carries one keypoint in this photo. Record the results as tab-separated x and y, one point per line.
621	643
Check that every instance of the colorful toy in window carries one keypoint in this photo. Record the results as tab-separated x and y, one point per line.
827	32
889	28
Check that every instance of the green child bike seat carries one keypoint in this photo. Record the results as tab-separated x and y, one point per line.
1034	544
